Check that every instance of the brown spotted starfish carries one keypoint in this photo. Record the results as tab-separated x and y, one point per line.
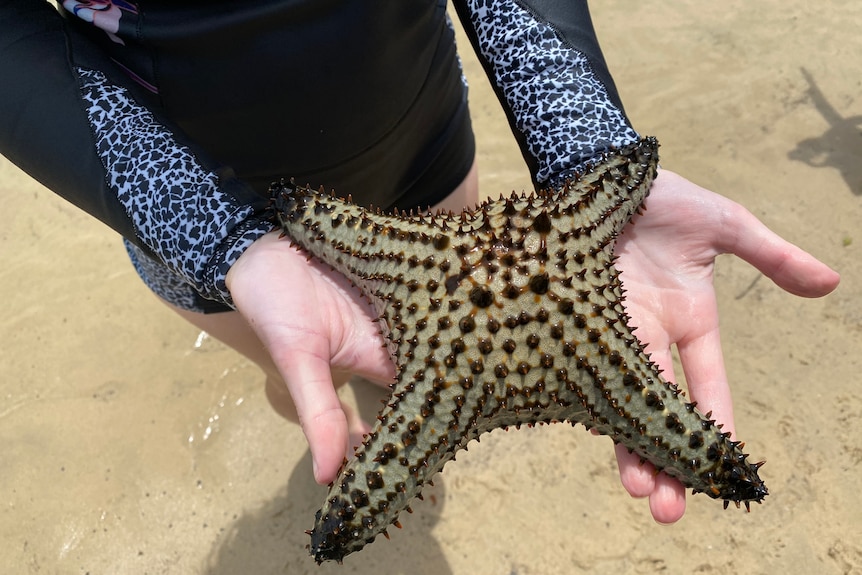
505	315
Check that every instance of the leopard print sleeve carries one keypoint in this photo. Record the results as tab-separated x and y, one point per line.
74	122
548	71
193	219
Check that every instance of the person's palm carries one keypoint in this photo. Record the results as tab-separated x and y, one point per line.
312	321
666	259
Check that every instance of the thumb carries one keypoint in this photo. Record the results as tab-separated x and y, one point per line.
790	267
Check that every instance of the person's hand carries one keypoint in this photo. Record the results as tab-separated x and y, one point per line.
311	321
665	258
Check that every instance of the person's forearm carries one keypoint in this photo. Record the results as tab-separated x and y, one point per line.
546	66
72	120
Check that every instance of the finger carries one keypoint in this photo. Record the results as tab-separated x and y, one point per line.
361	349
667	501
666	494
792	268
703	364
364	354
357	429
639	479
307	374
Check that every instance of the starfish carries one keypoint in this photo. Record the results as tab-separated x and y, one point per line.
505	315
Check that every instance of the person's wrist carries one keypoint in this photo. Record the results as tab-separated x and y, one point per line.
250	253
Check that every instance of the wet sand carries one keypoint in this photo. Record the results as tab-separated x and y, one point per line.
132	444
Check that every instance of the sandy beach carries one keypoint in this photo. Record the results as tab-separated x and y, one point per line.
134	444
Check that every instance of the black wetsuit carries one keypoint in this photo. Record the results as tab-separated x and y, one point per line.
168	120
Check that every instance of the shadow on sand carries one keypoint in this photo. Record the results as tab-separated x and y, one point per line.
839	147
271	539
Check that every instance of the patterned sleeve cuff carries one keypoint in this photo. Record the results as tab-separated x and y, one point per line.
228	252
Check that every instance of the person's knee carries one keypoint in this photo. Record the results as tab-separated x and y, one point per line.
466	195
